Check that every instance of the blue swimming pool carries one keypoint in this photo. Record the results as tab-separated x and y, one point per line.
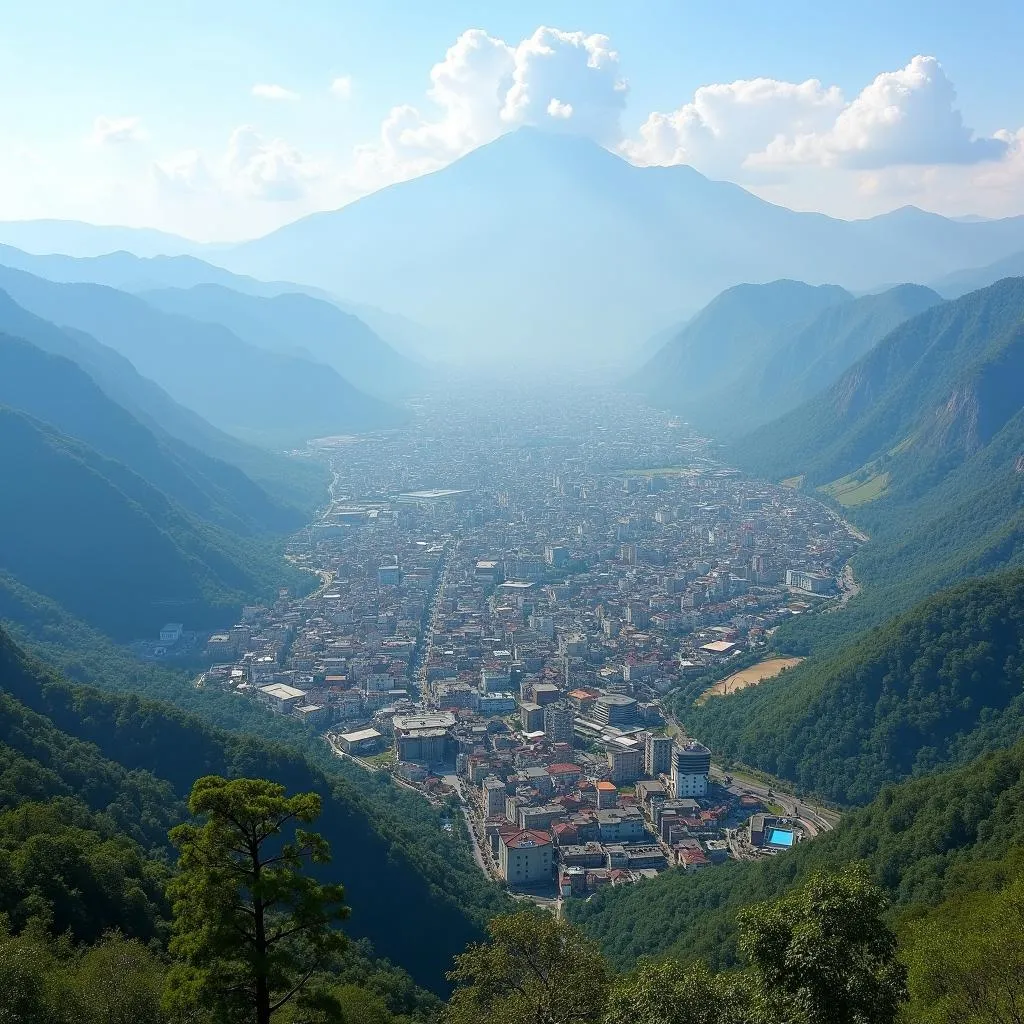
780	837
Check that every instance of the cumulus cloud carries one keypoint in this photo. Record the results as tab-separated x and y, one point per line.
724	123
267	168
484	86
113	131
907	116
268	91
341	87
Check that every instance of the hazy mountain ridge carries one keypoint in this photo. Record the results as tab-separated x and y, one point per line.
235	385
570	242
298	325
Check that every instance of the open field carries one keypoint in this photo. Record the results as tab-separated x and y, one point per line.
850	491
758	673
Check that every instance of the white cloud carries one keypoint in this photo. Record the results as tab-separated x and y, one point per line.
342	87
903	117
273	92
485	86
267	168
109	131
558	109
724	123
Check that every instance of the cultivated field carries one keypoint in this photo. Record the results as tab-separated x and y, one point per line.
758	673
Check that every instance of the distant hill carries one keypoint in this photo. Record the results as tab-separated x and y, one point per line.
58	392
540	244
103	543
743	326
292	482
297	325
935	386
952	286
245	390
76	238
939	685
132	273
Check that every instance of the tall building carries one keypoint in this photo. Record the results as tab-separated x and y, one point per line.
558	723
493	797
691	765
657	754
627	765
615	709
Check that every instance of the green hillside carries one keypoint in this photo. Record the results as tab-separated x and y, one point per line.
89	533
933	386
58	392
742	326
936	686
924	841
132	761
300	483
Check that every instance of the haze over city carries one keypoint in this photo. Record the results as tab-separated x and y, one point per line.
511	513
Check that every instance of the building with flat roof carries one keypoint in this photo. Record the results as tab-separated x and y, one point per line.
657	754
526	857
423	739
626	764
614	709
558	721
362	741
691	766
282	697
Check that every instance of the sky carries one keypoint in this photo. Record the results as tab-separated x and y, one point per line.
223	119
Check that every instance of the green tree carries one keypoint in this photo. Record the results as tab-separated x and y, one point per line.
823	955
534	970
967	961
251	929
670	992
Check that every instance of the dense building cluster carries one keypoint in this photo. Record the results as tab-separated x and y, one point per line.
509	610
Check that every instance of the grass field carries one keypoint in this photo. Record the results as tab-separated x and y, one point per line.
850	490
758	673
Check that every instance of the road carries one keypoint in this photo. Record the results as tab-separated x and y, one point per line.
816	819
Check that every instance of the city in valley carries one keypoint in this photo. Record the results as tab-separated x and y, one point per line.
514	591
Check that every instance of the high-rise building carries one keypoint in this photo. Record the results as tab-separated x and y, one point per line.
493	797
657	754
691	766
626	765
558	722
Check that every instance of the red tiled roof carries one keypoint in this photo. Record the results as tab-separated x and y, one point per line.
526	839
564	769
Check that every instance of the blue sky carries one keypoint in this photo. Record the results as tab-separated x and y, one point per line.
146	113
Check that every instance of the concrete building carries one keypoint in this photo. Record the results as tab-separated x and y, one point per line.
532	717
282	698
657	754
626	764
526	857
622	825
558	723
615	709
364	741
423	739
607	795
493	797
691	765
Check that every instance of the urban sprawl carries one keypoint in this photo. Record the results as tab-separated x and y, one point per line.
510	588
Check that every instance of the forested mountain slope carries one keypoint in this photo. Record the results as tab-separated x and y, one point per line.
938	685
58	392
291	482
132	761
741	327
923	840
102	542
944	380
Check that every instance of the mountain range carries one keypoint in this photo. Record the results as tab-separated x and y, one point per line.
267	397
542	243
